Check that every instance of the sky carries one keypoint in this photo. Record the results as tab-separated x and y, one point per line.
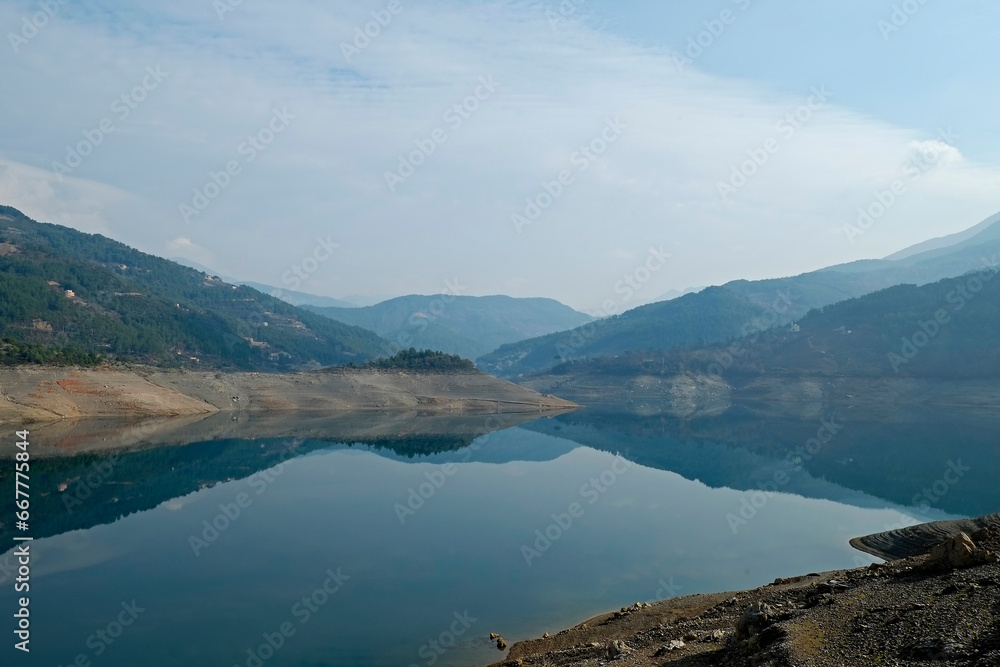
508	147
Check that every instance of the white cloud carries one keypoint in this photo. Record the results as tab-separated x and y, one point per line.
185	248
73	202
655	186
934	153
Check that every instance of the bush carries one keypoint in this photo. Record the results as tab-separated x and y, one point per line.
423	360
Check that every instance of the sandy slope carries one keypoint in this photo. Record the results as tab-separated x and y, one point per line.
32	394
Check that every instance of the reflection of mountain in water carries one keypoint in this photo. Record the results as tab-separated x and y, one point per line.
866	463
72	492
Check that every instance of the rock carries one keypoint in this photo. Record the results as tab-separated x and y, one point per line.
988	534
674	645
545	636
716	636
958	553
501	644
754	620
494	636
829	587
935	649
991	659
618	648
690	637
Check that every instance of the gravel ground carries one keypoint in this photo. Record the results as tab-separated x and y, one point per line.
916	611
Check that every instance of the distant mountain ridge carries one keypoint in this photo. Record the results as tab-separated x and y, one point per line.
949	329
293	297
468	326
950	240
64	289
748	306
288	296
298	298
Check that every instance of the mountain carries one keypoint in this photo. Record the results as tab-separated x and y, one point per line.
750	306
288	296
363	300
951	240
298	298
190	263
676	293
468	326
694	319
66	295
945	330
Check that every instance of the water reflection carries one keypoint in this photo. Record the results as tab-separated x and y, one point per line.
923	458
222	542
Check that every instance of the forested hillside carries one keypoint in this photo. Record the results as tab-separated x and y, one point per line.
948	329
714	314
748	306
66	296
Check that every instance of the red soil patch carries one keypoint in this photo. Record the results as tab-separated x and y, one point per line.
78	387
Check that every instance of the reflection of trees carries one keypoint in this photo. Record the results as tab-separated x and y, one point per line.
124	483
892	459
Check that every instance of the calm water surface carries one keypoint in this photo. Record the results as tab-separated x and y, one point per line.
380	556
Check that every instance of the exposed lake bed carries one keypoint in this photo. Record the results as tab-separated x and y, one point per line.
45	394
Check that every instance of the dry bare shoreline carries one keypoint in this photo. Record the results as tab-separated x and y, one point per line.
32	394
940	605
692	395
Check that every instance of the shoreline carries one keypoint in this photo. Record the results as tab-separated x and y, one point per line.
927	606
803	396
38	394
100	435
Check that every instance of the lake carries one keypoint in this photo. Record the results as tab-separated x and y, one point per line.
411	549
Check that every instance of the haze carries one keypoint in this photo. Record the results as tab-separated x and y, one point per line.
254	138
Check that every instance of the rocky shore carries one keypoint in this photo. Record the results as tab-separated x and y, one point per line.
937	608
43	394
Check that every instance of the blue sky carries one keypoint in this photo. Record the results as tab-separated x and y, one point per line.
935	70
277	143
